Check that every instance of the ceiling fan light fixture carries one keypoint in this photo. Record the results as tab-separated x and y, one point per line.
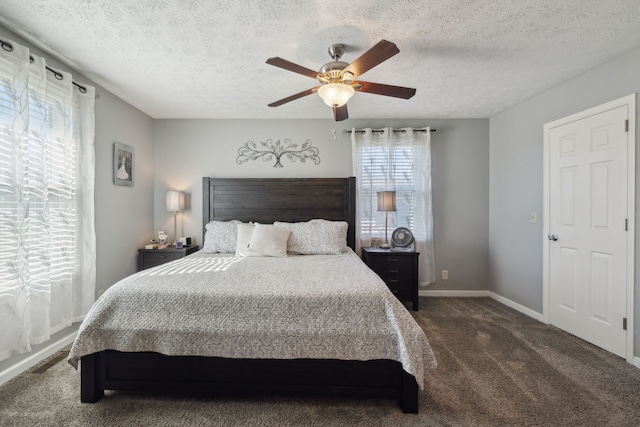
338	80
335	94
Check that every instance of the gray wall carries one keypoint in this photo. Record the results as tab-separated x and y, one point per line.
187	150
516	177
124	216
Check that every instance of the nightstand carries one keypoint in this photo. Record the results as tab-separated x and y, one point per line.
398	269
148	258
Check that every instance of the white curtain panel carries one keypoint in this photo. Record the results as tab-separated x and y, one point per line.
399	161
47	232
372	156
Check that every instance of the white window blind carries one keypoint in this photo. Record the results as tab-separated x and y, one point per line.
390	168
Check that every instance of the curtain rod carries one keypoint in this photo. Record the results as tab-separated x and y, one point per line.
345	131
58	75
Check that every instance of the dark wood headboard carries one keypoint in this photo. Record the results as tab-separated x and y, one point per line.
280	199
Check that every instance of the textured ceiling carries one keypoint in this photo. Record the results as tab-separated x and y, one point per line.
206	59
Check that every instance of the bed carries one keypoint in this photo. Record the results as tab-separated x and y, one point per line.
256	343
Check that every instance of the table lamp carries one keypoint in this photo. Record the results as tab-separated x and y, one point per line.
175	203
386	204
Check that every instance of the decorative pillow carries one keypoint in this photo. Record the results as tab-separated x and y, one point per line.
245	231
268	240
316	237
221	236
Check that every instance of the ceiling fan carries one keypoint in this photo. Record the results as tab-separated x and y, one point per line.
338	79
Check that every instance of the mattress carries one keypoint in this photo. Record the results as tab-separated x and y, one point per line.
220	305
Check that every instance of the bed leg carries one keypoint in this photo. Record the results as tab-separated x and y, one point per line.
409	397
91	389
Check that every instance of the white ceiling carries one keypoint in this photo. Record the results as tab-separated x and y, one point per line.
206	59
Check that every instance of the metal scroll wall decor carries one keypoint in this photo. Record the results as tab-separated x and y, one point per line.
268	150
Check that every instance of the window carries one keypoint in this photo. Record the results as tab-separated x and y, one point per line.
47	241
395	160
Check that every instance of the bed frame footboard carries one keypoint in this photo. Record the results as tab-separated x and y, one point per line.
410	393
92	376
114	370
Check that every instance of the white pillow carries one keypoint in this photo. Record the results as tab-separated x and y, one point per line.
245	231
268	240
316	237
221	236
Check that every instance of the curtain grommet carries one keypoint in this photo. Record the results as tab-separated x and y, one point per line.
6	46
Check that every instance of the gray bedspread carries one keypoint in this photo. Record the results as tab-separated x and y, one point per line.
309	306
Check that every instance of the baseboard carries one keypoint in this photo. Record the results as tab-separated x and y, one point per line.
35	358
636	361
518	307
471	294
449	293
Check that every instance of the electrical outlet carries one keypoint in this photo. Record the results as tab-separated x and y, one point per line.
445	274
100	292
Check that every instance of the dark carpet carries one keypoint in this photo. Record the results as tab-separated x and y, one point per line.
497	367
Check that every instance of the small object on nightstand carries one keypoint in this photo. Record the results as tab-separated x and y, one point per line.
398	269
186	241
179	244
402	238
162	237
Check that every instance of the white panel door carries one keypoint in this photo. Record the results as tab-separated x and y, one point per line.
588	241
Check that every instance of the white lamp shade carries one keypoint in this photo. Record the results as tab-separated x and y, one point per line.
335	94
175	201
386	201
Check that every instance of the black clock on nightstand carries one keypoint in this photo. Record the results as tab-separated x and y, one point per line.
398	269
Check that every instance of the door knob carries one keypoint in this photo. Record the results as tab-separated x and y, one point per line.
552	237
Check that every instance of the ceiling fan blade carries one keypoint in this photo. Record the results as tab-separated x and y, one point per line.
374	56
340	113
386	90
293	97
290	66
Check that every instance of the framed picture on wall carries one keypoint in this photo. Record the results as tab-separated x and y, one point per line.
122	164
